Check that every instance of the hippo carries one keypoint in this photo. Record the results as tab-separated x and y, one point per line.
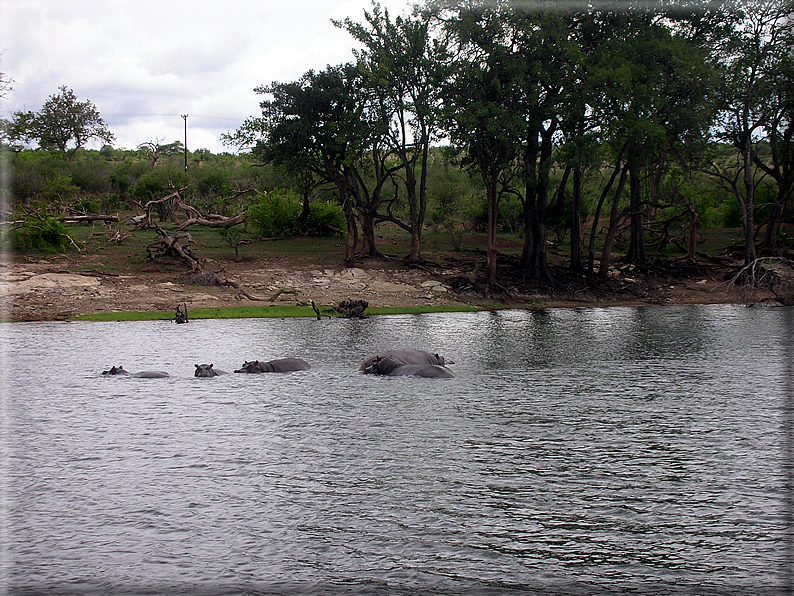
280	365
146	374
206	370
390	366
405	356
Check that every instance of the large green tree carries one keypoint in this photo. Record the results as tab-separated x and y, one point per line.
316	124
483	112
64	123
756	53
403	64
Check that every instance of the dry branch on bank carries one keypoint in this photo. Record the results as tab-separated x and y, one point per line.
88	218
172	202
214	221
173	245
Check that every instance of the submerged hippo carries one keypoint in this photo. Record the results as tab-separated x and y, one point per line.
405	356
280	365
397	363
389	366
146	374
206	370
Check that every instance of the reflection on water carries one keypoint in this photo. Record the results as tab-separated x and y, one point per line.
576	451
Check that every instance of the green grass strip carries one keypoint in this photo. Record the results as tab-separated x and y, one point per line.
263	312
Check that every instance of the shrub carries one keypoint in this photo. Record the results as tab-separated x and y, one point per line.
46	235
325	219
275	214
92	175
88	205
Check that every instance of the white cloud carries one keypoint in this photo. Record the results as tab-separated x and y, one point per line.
146	62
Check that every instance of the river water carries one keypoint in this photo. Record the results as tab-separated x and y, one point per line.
625	450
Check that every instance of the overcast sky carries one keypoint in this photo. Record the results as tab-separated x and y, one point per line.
144	63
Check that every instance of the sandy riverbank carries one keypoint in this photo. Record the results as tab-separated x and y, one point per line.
61	287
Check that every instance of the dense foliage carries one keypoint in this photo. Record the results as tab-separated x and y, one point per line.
617	130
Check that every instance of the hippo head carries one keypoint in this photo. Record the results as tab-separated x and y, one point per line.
115	371
249	367
383	365
204	370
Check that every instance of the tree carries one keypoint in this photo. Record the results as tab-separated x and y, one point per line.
654	92
316	124
155	149
756	50
402	65
482	109
63	123
779	130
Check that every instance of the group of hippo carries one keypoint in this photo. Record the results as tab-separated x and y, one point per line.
392	363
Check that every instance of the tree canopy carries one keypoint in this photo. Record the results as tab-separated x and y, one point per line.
635	89
63	123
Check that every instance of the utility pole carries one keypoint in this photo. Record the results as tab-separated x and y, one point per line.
184	117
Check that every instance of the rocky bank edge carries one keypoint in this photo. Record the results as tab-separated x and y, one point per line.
60	288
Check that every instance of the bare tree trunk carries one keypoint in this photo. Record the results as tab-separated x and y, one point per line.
539	264
606	254
597	215
368	248
530	190
692	244
577	250
492	199
636	253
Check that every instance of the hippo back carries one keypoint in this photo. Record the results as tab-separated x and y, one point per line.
279	365
285	365
406	356
151	374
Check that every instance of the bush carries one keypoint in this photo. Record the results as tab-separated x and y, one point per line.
88	205
276	214
325	219
92	175
45	235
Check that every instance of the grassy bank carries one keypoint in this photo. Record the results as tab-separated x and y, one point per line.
268	312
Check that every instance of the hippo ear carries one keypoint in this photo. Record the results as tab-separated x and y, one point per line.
210	365
197	366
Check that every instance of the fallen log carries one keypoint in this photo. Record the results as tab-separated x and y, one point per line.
214	221
171	245
90	218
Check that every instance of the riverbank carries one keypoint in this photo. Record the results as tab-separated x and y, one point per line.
64	287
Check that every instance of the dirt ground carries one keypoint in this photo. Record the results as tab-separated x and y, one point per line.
64	286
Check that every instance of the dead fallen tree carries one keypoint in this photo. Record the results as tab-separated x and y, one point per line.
214	221
89	217
172	202
178	245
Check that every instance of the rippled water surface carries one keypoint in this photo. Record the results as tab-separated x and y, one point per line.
576	451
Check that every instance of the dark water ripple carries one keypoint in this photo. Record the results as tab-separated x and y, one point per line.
576	451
